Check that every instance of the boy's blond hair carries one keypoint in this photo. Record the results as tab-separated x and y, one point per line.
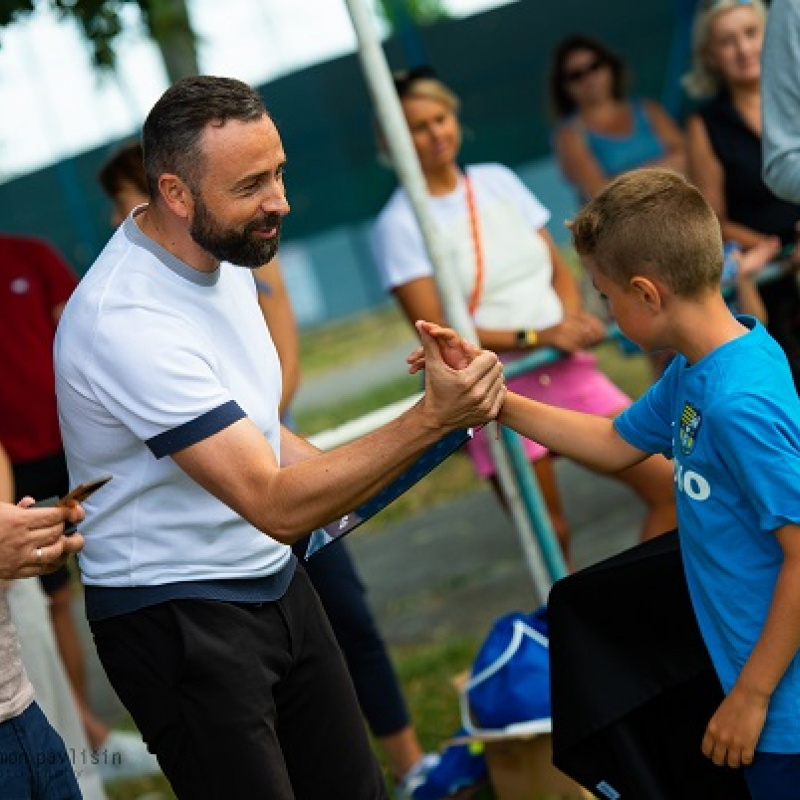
652	222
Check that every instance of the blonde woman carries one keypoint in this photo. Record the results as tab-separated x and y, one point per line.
724	145
517	285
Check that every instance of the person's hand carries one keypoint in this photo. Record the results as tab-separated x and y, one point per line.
464	396
731	736
575	332
755	258
32	540
456	351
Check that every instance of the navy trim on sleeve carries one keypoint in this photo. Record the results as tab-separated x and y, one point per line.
196	430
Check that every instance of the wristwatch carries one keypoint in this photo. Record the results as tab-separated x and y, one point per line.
527	339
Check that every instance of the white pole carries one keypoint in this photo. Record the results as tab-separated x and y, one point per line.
404	157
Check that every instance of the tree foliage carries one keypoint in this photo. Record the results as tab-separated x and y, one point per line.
169	25
167	22
422	12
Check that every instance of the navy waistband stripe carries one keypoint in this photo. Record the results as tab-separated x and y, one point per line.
103	602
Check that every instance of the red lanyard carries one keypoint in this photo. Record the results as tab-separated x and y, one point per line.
477	289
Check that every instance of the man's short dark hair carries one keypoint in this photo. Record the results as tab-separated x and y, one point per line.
174	127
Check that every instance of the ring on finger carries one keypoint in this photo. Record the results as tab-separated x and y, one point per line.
39	558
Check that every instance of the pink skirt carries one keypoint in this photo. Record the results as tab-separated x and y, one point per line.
574	382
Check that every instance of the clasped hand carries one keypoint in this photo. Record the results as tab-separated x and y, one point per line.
463	385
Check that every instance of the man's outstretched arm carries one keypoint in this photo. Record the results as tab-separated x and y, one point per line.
238	466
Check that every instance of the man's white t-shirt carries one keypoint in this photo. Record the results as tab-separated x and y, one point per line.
518	291
153	356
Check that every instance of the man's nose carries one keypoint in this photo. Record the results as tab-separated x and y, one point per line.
276	203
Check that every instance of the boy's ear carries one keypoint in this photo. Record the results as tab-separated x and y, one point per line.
648	291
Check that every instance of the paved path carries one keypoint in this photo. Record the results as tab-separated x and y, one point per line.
355	379
458	566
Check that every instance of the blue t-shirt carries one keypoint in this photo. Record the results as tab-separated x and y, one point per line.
731	424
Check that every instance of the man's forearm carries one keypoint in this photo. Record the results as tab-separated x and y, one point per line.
314	488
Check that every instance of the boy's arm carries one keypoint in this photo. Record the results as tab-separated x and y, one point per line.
586	438
736	726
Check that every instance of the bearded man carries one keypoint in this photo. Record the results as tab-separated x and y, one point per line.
167	379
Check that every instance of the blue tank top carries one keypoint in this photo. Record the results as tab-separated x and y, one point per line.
617	154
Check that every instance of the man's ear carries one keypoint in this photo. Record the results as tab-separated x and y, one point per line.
648	291
176	195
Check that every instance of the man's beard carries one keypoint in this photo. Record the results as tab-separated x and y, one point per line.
241	248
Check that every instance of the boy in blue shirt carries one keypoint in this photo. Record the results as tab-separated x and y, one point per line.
727	414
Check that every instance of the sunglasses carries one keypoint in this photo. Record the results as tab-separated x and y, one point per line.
575	75
404	79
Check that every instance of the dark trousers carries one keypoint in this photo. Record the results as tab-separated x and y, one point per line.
243	700
343	597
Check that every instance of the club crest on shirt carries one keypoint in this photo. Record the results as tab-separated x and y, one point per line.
690	425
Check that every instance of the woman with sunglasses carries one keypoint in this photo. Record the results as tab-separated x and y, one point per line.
724	147
517	285
601	133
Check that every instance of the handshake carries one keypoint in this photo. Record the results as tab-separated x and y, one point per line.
464	385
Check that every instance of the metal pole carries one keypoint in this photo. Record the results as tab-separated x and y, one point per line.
404	157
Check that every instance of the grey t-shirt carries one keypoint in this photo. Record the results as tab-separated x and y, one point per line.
780	94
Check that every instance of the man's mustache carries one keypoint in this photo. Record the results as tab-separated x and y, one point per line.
268	221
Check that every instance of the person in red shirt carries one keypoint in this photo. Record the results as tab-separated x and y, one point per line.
36	284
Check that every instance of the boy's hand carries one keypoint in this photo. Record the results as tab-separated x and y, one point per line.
731	736
456	352
464	396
